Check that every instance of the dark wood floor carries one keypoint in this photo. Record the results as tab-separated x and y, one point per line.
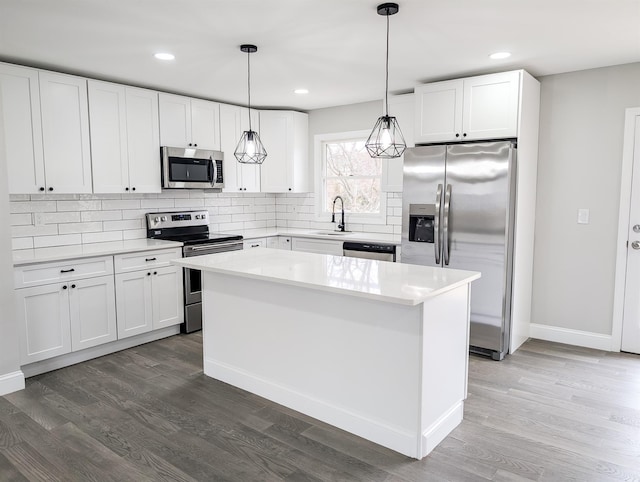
550	412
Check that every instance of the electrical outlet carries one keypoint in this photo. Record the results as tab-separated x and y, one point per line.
583	216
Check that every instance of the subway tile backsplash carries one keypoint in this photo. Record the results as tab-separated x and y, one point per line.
44	220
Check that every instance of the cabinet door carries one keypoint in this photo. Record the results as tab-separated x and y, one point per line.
403	108
43	316
205	124
175	120
166	297
319	246
438	111
284	242
92	307
65	133
22	129
237	177
133	303
249	174
143	140
276	132
491	106
108	127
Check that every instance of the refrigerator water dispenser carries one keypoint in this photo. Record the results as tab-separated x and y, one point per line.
421	222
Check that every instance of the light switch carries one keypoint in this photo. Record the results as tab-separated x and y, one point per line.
583	216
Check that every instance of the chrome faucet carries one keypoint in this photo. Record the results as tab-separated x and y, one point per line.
341	226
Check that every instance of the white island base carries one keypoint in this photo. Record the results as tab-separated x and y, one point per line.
392	372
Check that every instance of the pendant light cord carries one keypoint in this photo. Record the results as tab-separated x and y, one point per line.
249	86
386	85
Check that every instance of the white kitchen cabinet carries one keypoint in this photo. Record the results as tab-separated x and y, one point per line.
285	138
474	108
43	317
92	312
279	242
125	141
148	292
320	246
255	243
65	133
238	177
187	122
22	129
402	107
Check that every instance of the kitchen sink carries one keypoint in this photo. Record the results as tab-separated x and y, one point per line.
333	233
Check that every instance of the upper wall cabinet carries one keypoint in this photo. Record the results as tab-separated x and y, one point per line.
46	131
65	133
22	128
187	122
285	138
125	138
238	177
483	107
402	108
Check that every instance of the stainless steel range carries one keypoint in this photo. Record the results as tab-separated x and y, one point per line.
192	229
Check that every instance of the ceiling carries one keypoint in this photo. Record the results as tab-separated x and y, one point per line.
334	48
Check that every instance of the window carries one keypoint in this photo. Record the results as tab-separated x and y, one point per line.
346	170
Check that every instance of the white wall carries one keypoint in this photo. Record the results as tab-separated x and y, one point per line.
10	376
580	157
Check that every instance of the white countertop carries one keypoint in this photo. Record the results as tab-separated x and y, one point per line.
321	234
60	253
399	283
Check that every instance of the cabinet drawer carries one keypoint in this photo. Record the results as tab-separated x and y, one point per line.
319	246
47	273
125	263
255	243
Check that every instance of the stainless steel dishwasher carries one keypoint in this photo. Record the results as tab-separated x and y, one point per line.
379	251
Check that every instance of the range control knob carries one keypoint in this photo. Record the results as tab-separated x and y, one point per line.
197	216
163	218
156	219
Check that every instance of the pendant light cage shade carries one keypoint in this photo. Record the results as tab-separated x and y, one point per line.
386	140
250	149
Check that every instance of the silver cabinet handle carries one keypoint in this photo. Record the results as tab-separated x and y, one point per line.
445	224
436	224
635	245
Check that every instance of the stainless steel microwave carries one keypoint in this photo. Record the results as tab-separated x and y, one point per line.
190	168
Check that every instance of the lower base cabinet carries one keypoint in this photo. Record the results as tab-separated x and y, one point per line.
148	300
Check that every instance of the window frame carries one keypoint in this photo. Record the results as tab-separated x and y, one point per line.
319	160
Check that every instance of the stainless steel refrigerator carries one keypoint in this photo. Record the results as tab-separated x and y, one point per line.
458	207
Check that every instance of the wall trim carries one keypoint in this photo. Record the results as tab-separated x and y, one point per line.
11	382
568	336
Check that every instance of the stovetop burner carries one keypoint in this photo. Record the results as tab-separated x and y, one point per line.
188	227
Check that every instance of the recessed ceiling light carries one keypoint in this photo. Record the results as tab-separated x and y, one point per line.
164	56
301	91
500	55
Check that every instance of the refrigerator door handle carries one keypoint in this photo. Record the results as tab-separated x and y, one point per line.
436	224
445	225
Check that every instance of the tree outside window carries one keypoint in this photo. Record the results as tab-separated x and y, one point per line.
350	172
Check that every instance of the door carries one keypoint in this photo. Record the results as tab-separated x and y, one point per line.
22	129
167	304
205	124
175	120
631	310
143	140
65	133
438	111
92	312
108	127
133	303
476	219
423	184
43	315
276	128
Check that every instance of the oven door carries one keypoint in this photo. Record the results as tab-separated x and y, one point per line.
192	277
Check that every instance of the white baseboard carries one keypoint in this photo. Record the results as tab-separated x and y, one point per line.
568	336
441	428
11	382
344	418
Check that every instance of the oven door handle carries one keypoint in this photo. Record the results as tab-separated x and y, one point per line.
190	249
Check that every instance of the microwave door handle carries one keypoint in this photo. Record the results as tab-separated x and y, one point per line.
213	175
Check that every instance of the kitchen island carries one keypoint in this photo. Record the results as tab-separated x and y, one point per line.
375	348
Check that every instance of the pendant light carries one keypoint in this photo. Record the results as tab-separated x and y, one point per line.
250	149
386	140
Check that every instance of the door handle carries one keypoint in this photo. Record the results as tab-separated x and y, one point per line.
436	224
445	224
